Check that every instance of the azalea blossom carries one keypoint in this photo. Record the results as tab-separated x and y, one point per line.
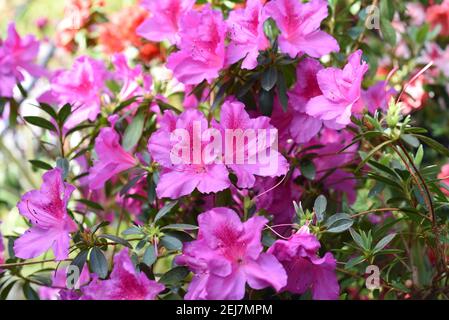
133	80
202	47
438	15
177	180
341	92
17	58
47	211
305	269
125	283
228	254
82	87
112	158
299	24
234	119
246	33
295	123
164	20
377	96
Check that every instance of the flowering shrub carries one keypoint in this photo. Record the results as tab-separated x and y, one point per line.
219	150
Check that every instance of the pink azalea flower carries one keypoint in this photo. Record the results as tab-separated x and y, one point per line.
125	283
82	86
299	24
177	180
228	254
134	82
164	20
47	211
234	117
377	96
341	92
246	33
58	281
296	123
202	47
305	269
112	158
17	55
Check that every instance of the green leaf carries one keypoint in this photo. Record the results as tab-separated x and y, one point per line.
132	231
354	261
384	241
40	164
308	169
269	78
49	110
130	184
99	226
388	31
410	140
171	243
5	292
338	222
387	9
166	209
371	153
419	156
174	276
282	91
63	164
91	204
357	238
80	260
98	263
29	292
78	128
134	131
40	122
266	102
116	239
438	147
180	226
150	255
64	113
320	207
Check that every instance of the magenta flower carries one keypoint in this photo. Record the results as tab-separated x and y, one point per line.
377	96
82	87
202	47
164	21
133	80
295	123
234	118
341	92
112	158
47	211
305	269
246	33
228	254
177	180
299	24
125	283
16	56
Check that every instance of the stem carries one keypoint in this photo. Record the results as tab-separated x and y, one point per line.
374	210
